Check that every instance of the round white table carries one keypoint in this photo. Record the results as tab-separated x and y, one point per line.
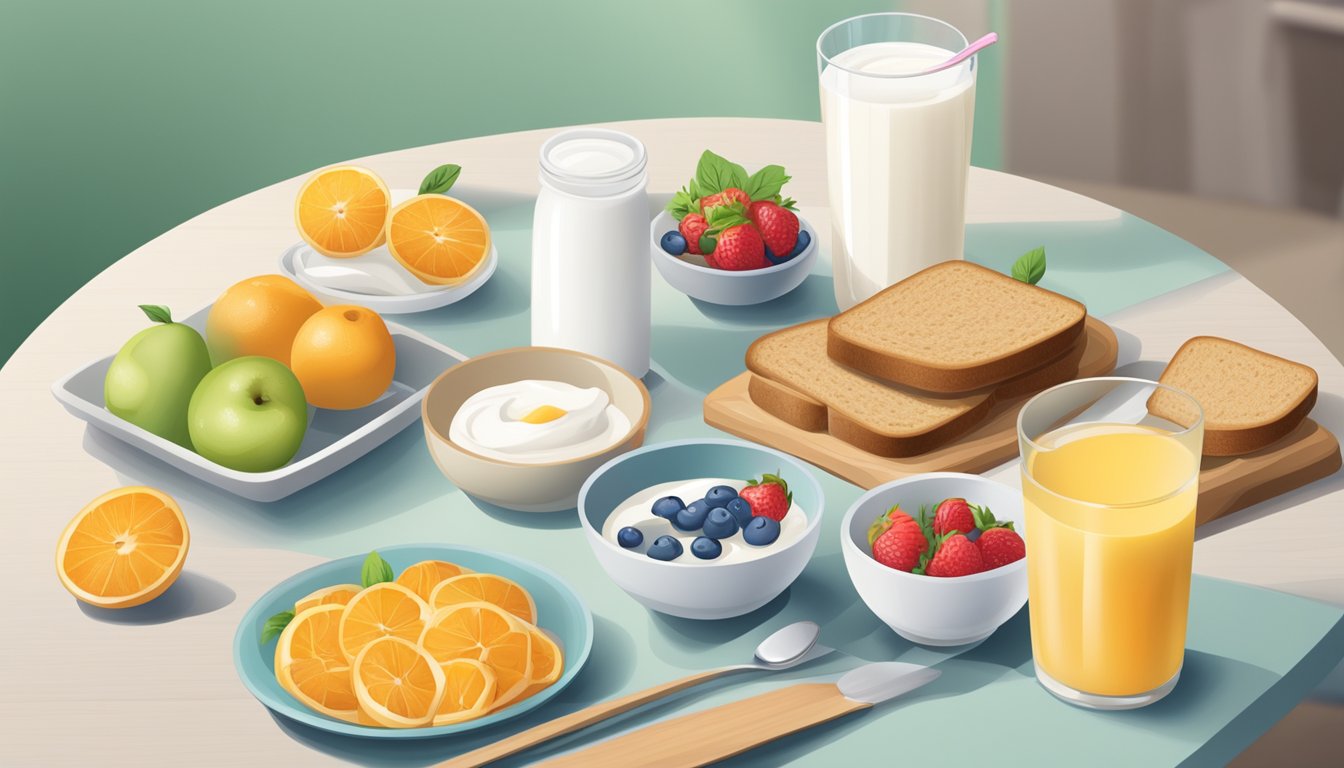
161	690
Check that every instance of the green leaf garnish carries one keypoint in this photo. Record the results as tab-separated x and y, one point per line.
1030	266
375	571
721	217
157	312
713	174
685	202
440	180
275	625
766	183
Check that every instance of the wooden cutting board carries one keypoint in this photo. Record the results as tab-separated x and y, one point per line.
1227	484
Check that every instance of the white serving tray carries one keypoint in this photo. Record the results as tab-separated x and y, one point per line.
333	440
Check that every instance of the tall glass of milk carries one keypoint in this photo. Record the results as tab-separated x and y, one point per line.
590	248
898	147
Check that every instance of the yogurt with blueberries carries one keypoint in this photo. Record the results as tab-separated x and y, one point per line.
707	521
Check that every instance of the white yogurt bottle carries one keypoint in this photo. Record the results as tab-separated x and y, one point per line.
898	147
590	248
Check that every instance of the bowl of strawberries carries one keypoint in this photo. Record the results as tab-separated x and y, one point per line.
729	237
938	557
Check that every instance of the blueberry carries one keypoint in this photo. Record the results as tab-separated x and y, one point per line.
693	517
804	240
741	510
761	531
668	507
720	524
772	258
674	243
720	495
629	537
706	548
664	548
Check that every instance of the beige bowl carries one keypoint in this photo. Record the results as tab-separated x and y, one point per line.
545	487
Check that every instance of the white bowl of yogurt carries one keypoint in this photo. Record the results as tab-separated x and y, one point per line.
743	577
523	428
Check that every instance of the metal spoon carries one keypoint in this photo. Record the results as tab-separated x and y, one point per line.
786	648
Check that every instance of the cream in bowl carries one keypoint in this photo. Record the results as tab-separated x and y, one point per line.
523	428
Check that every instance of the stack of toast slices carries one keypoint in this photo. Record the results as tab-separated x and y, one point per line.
924	361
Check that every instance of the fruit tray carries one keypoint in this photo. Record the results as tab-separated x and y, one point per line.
333	440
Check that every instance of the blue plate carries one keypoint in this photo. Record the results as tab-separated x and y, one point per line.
560	612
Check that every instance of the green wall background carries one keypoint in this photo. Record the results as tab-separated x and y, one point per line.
119	120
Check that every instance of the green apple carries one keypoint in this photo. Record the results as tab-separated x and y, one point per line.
152	378
248	414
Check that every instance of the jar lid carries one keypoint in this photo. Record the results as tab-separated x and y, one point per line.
593	162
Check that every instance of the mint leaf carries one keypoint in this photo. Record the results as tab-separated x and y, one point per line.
720	217
708	243
713	174
375	571
275	625
1030	266
440	180
766	183
157	312
684	202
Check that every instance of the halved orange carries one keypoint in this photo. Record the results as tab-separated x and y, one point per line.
124	548
439	239
422	577
338	594
484	632
309	663
341	211
487	587
548	663
468	691
382	610
397	683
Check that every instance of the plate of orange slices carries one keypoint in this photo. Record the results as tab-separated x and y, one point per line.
414	641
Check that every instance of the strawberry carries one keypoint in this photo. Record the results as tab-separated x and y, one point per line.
769	496
1000	546
778	226
955	555
739	248
691	228
729	195
953	515
897	540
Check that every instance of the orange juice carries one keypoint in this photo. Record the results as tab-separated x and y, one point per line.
1110	513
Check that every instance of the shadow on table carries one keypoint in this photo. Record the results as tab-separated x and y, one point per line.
193	594
549	521
813	298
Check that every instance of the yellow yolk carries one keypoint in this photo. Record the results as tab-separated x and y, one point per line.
544	413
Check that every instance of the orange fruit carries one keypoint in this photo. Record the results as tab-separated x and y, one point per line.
341	211
344	357
382	610
439	239
338	594
397	683
468	691
309	663
124	548
422	577
258	316
548	663
484	632
487	587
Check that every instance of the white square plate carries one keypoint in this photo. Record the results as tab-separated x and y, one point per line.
333	440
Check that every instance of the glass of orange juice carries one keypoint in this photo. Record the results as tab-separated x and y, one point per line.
1109	489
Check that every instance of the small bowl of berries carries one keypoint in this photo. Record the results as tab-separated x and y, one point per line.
938	557
702	529
733	238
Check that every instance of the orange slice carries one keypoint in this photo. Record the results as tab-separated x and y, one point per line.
341	211
548	663
468	691
338	594
484	632
422	577
309	663
439	239
382	610
397	683
486	587
124	548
